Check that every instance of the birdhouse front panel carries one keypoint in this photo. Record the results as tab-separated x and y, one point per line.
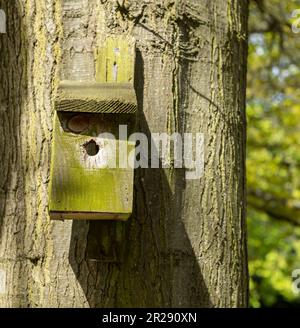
86	179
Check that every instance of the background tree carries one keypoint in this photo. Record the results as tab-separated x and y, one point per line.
273	152
185	243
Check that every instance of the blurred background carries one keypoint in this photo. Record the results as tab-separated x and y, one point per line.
273	152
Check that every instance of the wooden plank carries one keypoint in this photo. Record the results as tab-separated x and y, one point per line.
93	97
83	186
115	60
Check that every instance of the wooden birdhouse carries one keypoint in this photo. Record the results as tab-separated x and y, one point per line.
91	174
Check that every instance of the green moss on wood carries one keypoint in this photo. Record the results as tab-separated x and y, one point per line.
83	191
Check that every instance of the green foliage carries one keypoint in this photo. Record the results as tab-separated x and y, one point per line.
273	154
274	252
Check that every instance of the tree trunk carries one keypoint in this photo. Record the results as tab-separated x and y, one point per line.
185	244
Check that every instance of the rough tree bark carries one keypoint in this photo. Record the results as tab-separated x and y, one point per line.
185	244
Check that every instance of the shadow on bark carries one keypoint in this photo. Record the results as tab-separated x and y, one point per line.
147	261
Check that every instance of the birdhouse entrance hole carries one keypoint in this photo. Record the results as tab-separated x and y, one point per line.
91	147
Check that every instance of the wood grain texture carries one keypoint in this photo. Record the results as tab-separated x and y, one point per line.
89	186
95	97
185	245
115	60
